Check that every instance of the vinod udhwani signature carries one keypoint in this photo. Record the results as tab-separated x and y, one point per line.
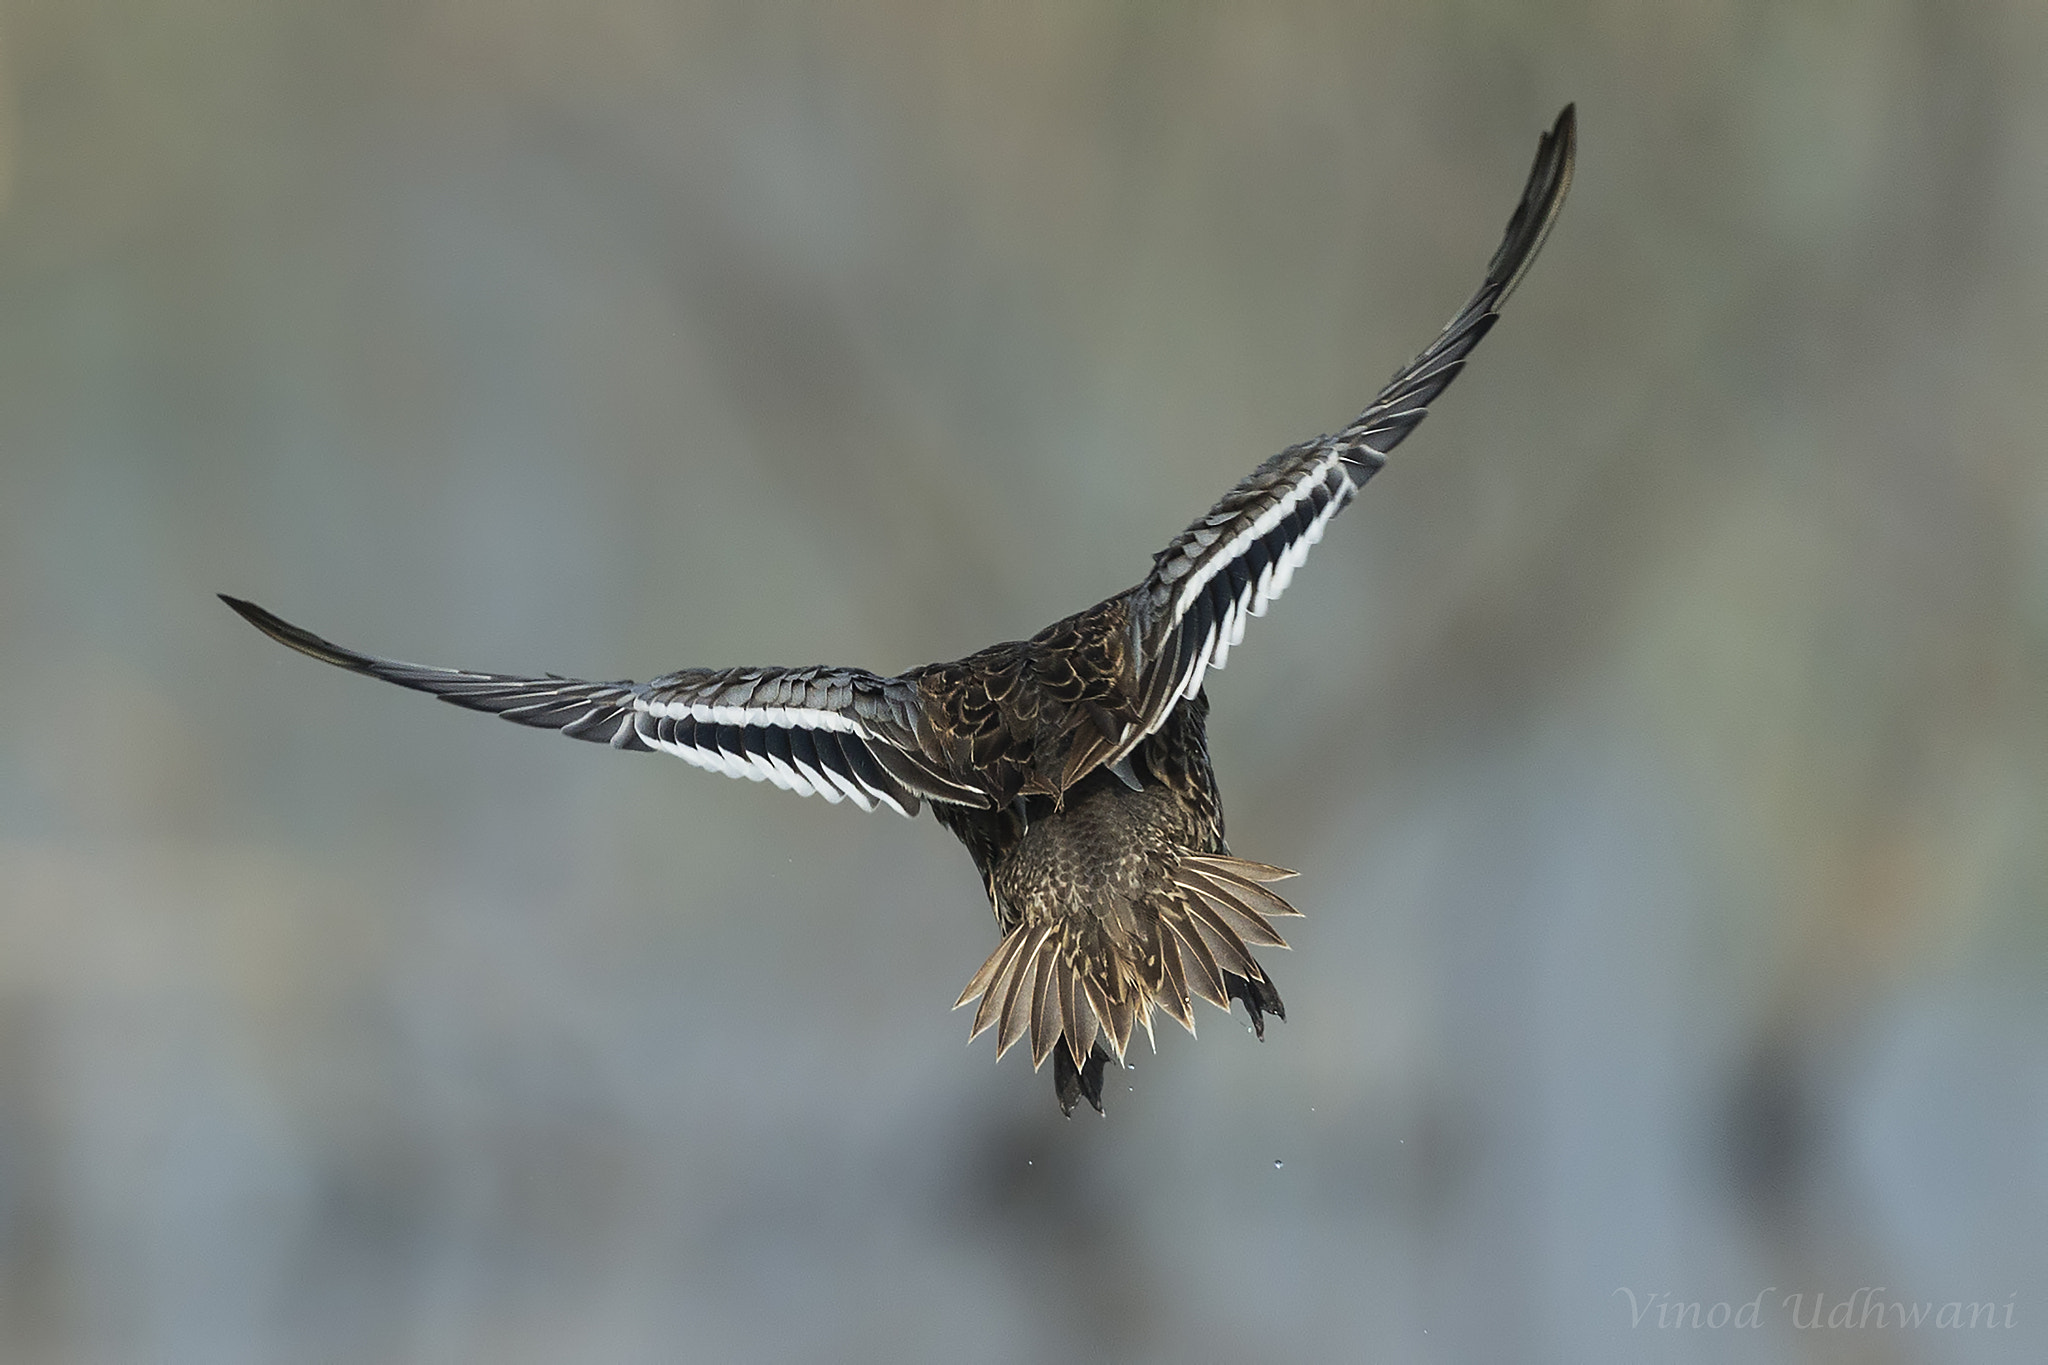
1868	1308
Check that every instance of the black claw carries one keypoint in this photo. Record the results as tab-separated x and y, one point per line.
1070	1085
1091	1076
1260	1000
1066	1081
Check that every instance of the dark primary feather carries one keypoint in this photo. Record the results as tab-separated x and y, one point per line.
1402	404
1073	765
584	710
1229	565
839	733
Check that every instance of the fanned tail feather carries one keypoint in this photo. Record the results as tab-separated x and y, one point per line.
1069	982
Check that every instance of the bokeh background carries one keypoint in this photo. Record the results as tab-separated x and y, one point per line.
1664	737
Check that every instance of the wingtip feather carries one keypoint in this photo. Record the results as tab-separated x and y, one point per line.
297	637
1550	178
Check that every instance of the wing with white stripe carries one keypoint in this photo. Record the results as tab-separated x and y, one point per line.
840	733
1229	566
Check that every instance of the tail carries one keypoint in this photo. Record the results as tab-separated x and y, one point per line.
1078	978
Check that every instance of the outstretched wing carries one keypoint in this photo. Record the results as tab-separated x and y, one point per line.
839	733
1229	566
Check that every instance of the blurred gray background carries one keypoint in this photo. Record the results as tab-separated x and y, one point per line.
1663	738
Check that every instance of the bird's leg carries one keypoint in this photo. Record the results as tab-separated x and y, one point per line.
1071	1085
1260	1000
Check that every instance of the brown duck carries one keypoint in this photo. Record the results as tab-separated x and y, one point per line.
1074	765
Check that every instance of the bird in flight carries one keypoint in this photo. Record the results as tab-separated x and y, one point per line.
1074	765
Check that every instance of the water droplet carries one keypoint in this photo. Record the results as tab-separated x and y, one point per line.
1029	1162
1278	1164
